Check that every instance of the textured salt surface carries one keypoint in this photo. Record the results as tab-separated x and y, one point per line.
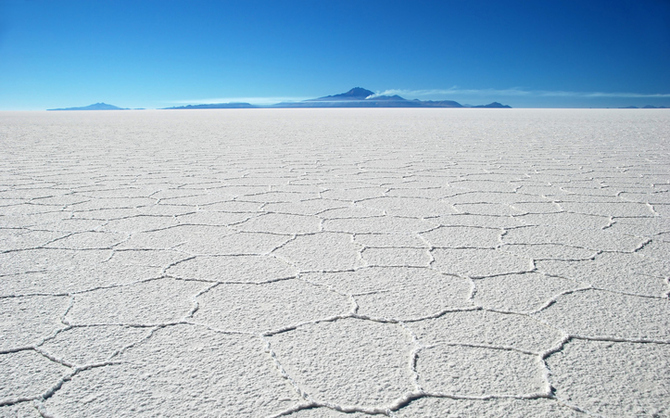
332	263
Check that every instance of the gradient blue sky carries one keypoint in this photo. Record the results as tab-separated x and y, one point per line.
159	53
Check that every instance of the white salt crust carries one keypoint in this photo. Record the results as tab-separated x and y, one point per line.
335	263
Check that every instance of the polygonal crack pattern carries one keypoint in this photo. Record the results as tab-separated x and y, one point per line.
170	380
479	371
347	263
351	362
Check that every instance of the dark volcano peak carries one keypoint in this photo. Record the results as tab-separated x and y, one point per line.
357	93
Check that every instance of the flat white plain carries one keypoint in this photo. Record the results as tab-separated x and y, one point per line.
335	262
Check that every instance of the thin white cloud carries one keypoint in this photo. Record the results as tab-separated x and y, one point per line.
517	92
601	94
252	100
453	91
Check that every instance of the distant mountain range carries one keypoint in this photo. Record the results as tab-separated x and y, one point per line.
356	97
95	106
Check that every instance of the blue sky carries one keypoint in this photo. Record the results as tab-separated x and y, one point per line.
159	53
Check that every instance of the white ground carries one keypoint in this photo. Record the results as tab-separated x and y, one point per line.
308	263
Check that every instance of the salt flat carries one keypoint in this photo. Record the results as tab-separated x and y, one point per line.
335	262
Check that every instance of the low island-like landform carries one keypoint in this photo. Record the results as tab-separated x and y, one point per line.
233	105
95	106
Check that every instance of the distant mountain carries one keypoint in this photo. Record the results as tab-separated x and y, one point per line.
360	97
356	97
494	105
95	106
440	103
357	93
215	106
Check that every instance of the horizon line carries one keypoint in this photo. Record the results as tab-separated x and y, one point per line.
410	94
